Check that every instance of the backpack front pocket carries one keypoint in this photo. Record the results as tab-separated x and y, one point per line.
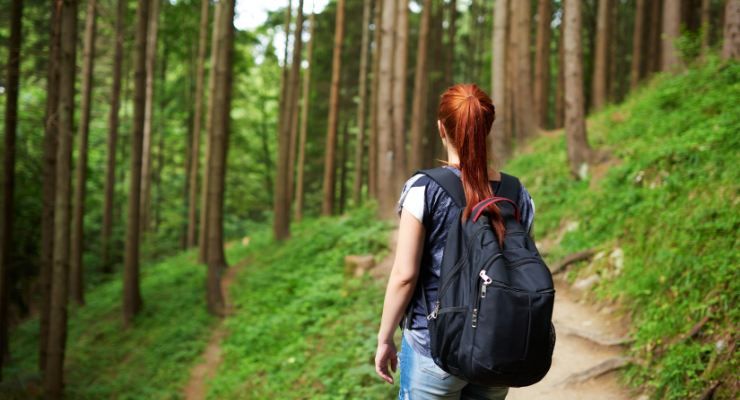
506	315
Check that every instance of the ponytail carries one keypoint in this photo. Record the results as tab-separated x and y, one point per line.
467	114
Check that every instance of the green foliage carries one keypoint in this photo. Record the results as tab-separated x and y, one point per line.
303	330
104	360
669	201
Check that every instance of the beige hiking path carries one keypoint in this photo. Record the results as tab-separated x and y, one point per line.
587	349
204	371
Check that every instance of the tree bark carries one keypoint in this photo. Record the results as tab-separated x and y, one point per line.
542	63
450	54
203	234
221	104
500	148
49	182
637	44
11	127
327	205
343	168
400	61
731	44
110	170
304	122
523	97
54	373
197	127
603	40
560	84
671	31
146	169
654	32
362	105
706	27
385	161
372	151
575	125
282	192
419	106
76	282
131	293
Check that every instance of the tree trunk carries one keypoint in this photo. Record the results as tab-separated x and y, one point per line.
637	44
284	169
450	54
706	27
146	173
372	151
542	63
131	293
731	44
304	122
281	221
671	31
500	148
76	282
343	168
575	125
653	50
419	106
327	205
202	235
560	84
197	128
110	170
11	126
603	40
221	104
400	61
361	106
54	373
385	162
523	97
49	183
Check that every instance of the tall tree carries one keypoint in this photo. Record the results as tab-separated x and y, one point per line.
76	286
11	126
372	151
221	104
385	149
112	142
575	124
304	122
203	234
560	84
637	43
284	169
671	31
542	61
281	221
419	106
603	41
654	36
731	43
54	373
327	205
361	105
146	157
523	86
706	28
197	128
451	36
131	292
49	182
500	136
400	61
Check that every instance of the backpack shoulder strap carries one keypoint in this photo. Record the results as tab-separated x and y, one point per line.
449	181
509	187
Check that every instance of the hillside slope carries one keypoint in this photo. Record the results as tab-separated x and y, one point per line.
663	217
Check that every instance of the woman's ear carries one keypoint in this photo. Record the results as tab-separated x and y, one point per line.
441	129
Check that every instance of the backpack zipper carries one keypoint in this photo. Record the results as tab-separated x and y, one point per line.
481	294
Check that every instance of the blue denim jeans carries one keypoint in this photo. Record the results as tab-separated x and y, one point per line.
422	379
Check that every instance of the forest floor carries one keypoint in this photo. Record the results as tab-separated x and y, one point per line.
587	350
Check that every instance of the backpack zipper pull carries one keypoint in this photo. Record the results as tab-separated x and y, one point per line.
486	279
435	311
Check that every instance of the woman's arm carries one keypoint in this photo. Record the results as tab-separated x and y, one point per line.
400	288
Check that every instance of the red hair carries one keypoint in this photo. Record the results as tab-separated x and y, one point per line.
467	114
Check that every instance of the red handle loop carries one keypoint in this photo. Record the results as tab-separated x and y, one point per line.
492	200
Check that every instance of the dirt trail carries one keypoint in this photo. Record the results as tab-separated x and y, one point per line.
201	373
587	350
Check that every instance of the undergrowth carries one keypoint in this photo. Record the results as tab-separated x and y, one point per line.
663	213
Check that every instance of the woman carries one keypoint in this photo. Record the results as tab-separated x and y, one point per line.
465	117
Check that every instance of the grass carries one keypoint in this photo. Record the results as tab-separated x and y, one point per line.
669	202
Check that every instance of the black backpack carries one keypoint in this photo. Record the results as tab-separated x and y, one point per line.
491	323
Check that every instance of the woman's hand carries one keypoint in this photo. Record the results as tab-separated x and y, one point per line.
384	355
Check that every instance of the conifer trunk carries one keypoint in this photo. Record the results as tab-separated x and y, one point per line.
542	62
304	123
603	32
419	106
146	163
575	124
361	106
